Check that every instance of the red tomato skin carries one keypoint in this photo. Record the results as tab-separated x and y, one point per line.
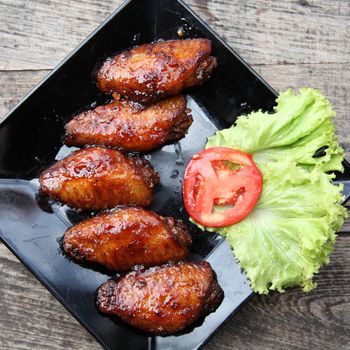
202	184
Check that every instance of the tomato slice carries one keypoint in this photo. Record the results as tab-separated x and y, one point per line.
221	186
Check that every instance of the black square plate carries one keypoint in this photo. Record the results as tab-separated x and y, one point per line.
31	139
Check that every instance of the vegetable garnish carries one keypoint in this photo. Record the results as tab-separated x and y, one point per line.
221	186
301	125
290	233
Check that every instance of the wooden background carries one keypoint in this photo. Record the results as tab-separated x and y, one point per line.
291	43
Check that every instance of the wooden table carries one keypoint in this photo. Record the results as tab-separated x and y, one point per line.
291	43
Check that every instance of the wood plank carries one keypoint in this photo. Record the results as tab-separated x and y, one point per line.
267	31
346	227
293	320
30	318
39	34
35	34
17	84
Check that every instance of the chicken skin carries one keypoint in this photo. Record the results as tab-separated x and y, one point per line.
162	300
127	237
98	178
150	72
131	126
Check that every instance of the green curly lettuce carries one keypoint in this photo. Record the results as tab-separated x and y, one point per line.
291	231
288	236
300	126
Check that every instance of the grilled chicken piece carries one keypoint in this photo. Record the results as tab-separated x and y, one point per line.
98	178
162	300
150	72
127	237
131	126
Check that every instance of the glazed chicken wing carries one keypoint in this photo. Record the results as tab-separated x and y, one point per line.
127	237
98	178
162	300
150	72
131	126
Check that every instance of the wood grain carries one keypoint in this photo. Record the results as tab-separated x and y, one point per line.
30	318
296	32
16	85
291	43
39	34
294	320
36	34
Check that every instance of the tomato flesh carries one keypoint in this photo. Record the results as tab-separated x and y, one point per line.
221	186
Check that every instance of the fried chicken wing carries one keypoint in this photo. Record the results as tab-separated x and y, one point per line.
98	178
150	72
131	126
127	237
162	300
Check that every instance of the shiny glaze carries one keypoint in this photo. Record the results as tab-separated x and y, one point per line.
99	178
127	237
150	72
162	300
131	126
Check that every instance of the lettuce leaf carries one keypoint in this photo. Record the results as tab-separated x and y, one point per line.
301	125
290	233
